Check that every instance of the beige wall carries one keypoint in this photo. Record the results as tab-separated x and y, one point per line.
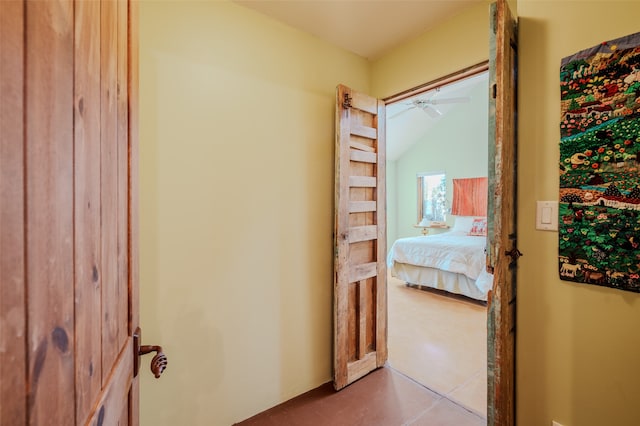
236	209
578	345
460	43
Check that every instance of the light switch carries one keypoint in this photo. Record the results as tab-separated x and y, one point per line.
547	215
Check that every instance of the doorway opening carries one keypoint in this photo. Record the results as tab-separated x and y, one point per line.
437	333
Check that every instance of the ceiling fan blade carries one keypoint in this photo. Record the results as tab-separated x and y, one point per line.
462	99
431	112
401	112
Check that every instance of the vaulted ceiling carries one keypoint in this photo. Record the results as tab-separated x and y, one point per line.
368	28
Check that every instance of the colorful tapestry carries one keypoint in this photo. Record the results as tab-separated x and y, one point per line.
599	209
469	197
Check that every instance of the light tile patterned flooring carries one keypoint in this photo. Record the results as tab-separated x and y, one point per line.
440	342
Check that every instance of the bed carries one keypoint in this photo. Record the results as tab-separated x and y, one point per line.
453	261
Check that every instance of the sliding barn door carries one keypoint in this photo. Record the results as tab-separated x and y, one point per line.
68	222
360	288
502	253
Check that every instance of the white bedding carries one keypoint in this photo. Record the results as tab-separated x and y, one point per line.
452	252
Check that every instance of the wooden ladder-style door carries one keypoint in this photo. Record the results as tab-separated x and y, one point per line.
69	216
502	253
360	289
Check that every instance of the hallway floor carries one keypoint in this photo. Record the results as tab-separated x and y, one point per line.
382	398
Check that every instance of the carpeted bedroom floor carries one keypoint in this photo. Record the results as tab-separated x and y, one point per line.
440	342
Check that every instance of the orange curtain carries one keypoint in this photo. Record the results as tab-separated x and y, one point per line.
470	197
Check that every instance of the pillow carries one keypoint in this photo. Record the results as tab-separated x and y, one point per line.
462	224
479	227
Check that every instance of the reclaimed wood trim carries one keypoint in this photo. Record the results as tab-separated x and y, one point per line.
363	156
362	147
364	131
115	391
362	318
109	181
134	193
362	272
363	233
381	244
362	206
122	160
443	81
363	181
362	367
87	207
13	367
341	243
364	102
502	227
49	211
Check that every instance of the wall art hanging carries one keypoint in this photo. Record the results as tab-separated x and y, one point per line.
599	209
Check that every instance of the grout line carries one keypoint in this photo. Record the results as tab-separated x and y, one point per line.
438	400
466	382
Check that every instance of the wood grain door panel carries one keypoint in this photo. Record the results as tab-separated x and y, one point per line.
360	304
69	212
502	213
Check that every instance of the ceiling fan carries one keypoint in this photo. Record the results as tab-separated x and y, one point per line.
428	105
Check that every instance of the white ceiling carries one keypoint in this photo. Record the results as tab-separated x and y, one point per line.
368	28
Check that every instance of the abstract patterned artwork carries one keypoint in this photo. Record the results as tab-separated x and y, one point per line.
599	208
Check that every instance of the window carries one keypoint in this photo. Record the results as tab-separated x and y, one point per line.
432	197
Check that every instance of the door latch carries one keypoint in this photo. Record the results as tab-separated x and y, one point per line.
158	362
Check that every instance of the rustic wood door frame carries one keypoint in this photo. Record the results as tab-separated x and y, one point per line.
502	252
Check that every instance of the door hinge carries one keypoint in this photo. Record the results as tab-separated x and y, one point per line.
347	101
514	253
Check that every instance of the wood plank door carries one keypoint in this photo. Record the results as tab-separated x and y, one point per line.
502	252
360	274
68	222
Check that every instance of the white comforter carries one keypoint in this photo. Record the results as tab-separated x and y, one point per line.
451	251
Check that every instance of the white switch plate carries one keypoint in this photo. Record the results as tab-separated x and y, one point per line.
547	215
554	423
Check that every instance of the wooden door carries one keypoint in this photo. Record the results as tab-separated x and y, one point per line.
360	274
502	253
68	222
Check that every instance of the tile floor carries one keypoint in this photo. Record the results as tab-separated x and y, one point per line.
437	340
440	342
382	398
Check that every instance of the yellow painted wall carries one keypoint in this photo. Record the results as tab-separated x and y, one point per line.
578	346
237	141
459	43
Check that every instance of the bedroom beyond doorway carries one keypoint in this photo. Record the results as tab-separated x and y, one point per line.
437	339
